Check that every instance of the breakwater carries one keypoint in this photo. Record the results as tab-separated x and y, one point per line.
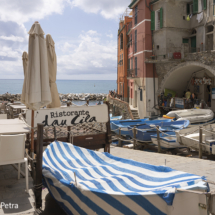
63	97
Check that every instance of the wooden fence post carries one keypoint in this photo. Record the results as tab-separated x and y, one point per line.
135	134
69	127
158	139
119	141
39	160
200	142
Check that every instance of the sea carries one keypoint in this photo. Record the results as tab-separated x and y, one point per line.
14	86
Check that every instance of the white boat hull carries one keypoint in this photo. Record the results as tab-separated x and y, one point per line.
166	144
193	115
190	138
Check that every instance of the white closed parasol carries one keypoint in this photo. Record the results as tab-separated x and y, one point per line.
25	68
37	90
52	65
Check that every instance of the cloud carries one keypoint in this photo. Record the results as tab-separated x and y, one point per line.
91	56
109	9
21	11
109	35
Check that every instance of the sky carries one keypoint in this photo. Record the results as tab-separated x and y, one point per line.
84	31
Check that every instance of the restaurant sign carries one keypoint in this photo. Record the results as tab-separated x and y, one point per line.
69	115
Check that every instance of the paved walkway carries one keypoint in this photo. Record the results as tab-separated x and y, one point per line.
12	190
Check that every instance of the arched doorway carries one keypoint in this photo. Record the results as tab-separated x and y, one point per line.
179	80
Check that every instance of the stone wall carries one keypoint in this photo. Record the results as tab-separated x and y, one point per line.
205	59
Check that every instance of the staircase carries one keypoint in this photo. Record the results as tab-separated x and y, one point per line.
135	114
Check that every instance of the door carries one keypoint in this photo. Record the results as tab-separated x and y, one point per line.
131	96
193	44
135	104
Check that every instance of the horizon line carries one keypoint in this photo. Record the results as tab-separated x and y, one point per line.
61	79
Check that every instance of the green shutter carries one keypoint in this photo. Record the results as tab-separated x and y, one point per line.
205	5
185	40
195	6
188	9
161	18
152	20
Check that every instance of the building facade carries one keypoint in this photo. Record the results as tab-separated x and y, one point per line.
142	78
122	82
183	44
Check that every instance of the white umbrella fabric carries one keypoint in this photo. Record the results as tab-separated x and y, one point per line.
37	90
52	65
25	68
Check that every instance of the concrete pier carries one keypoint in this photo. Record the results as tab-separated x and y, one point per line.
12	190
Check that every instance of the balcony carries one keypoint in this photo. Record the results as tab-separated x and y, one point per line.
131	74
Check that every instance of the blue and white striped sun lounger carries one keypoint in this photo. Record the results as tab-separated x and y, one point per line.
90	182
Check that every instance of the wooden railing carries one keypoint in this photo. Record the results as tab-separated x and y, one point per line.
124	106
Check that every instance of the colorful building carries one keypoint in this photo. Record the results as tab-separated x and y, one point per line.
122	82
142	78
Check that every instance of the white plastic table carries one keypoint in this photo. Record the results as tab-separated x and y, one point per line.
13	126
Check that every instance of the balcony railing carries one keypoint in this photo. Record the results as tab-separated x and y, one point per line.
131	73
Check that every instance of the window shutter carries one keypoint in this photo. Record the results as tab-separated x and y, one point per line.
195	6
152	20
205	4
135	66
141	95
188	9
161	18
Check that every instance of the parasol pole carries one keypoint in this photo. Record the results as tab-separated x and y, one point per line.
32	134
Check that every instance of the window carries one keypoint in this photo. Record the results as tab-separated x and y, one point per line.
191	8
131	63
195	6
157	19
121	41
204	4
141	95
185	40
135	15
135	66
135	41
131	39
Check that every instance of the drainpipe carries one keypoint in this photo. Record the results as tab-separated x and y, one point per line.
117	61
152	49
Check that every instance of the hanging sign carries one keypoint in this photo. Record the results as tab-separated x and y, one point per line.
69	115
207	81
200	81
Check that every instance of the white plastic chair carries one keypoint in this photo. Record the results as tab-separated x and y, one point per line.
3	116
12	150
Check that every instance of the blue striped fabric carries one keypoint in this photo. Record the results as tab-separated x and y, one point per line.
90	182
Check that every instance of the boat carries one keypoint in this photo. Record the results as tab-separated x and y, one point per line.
113	118
83	181
124	124
144	132
190	138
167	140
193	115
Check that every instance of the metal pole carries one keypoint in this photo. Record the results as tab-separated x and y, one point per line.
39	160
200	142
135	134
158	139
119	141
